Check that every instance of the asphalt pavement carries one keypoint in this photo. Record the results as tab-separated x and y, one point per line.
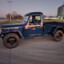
39	50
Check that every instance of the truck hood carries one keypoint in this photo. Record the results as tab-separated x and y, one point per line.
12	25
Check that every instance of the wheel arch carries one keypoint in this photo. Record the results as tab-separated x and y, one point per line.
18	33
59	29
55	29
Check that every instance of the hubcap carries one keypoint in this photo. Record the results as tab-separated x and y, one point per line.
59	35
11	41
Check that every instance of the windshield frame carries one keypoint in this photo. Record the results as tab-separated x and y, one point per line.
27	19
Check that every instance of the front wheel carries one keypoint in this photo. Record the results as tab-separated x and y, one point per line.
11	40
58	36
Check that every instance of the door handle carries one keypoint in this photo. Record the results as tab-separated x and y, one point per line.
33	28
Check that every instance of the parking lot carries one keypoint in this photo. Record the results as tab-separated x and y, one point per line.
39	50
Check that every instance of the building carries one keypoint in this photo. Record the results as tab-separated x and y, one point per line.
60	13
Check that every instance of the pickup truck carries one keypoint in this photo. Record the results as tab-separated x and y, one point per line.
32	26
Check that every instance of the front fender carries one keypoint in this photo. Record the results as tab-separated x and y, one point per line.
14	31
20	34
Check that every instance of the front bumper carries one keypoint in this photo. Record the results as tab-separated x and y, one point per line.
0	35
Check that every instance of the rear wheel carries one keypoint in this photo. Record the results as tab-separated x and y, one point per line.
11	40
58	36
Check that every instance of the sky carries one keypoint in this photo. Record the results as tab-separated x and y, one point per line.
47	7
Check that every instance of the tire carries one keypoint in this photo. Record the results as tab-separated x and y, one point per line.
11	40
58	36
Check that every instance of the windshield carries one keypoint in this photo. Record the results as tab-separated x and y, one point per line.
25	19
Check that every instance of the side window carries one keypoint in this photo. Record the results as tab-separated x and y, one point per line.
35	20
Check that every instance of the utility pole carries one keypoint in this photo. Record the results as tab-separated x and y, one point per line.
63	3
9	1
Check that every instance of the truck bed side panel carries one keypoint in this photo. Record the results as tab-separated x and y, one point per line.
50	27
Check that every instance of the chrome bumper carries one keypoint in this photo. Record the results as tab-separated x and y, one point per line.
0	35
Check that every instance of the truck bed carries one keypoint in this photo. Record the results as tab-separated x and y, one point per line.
50	26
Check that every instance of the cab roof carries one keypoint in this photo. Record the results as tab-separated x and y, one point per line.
34	13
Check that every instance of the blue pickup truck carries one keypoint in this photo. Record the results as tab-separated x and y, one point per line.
32	26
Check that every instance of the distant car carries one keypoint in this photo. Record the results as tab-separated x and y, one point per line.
32	26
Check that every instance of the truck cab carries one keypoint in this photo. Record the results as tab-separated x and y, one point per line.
34	26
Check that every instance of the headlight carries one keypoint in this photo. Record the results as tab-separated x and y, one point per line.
0	30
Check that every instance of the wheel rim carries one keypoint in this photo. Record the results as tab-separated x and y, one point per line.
11	41
59	36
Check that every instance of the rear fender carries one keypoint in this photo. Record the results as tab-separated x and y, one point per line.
58	28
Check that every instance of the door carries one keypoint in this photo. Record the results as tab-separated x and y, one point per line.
34	27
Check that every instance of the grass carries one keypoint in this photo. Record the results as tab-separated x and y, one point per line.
16	21
53	20
11	22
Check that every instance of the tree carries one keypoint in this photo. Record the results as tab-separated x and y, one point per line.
8	16
14	15
19	17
